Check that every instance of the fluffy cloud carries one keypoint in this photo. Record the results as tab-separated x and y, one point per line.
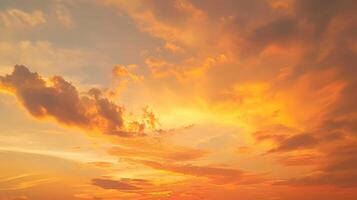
59	99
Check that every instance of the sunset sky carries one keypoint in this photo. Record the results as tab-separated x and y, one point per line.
178	100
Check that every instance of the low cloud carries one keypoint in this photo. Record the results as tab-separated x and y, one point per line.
59	99
122	185
218	175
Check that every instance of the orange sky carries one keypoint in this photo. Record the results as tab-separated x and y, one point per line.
178	100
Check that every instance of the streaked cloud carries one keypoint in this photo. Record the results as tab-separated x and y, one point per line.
112	184
218	175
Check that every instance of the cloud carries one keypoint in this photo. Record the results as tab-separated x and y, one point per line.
289	63
102	164
122	185
297	142
276	31
59	99
123	76
173	48
164	19
276	133
156	151
337	167
20	198
64	16
122	72
24	181
18	18
44	55
217	174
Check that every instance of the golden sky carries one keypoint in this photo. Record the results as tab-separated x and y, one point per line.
178	100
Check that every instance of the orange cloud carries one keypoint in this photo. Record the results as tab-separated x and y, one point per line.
280	73
287	75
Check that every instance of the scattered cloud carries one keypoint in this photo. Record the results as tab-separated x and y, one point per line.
64	16
19	18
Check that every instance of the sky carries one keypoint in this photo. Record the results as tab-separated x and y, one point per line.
178	100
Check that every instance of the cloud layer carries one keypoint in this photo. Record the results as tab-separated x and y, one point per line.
270	86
